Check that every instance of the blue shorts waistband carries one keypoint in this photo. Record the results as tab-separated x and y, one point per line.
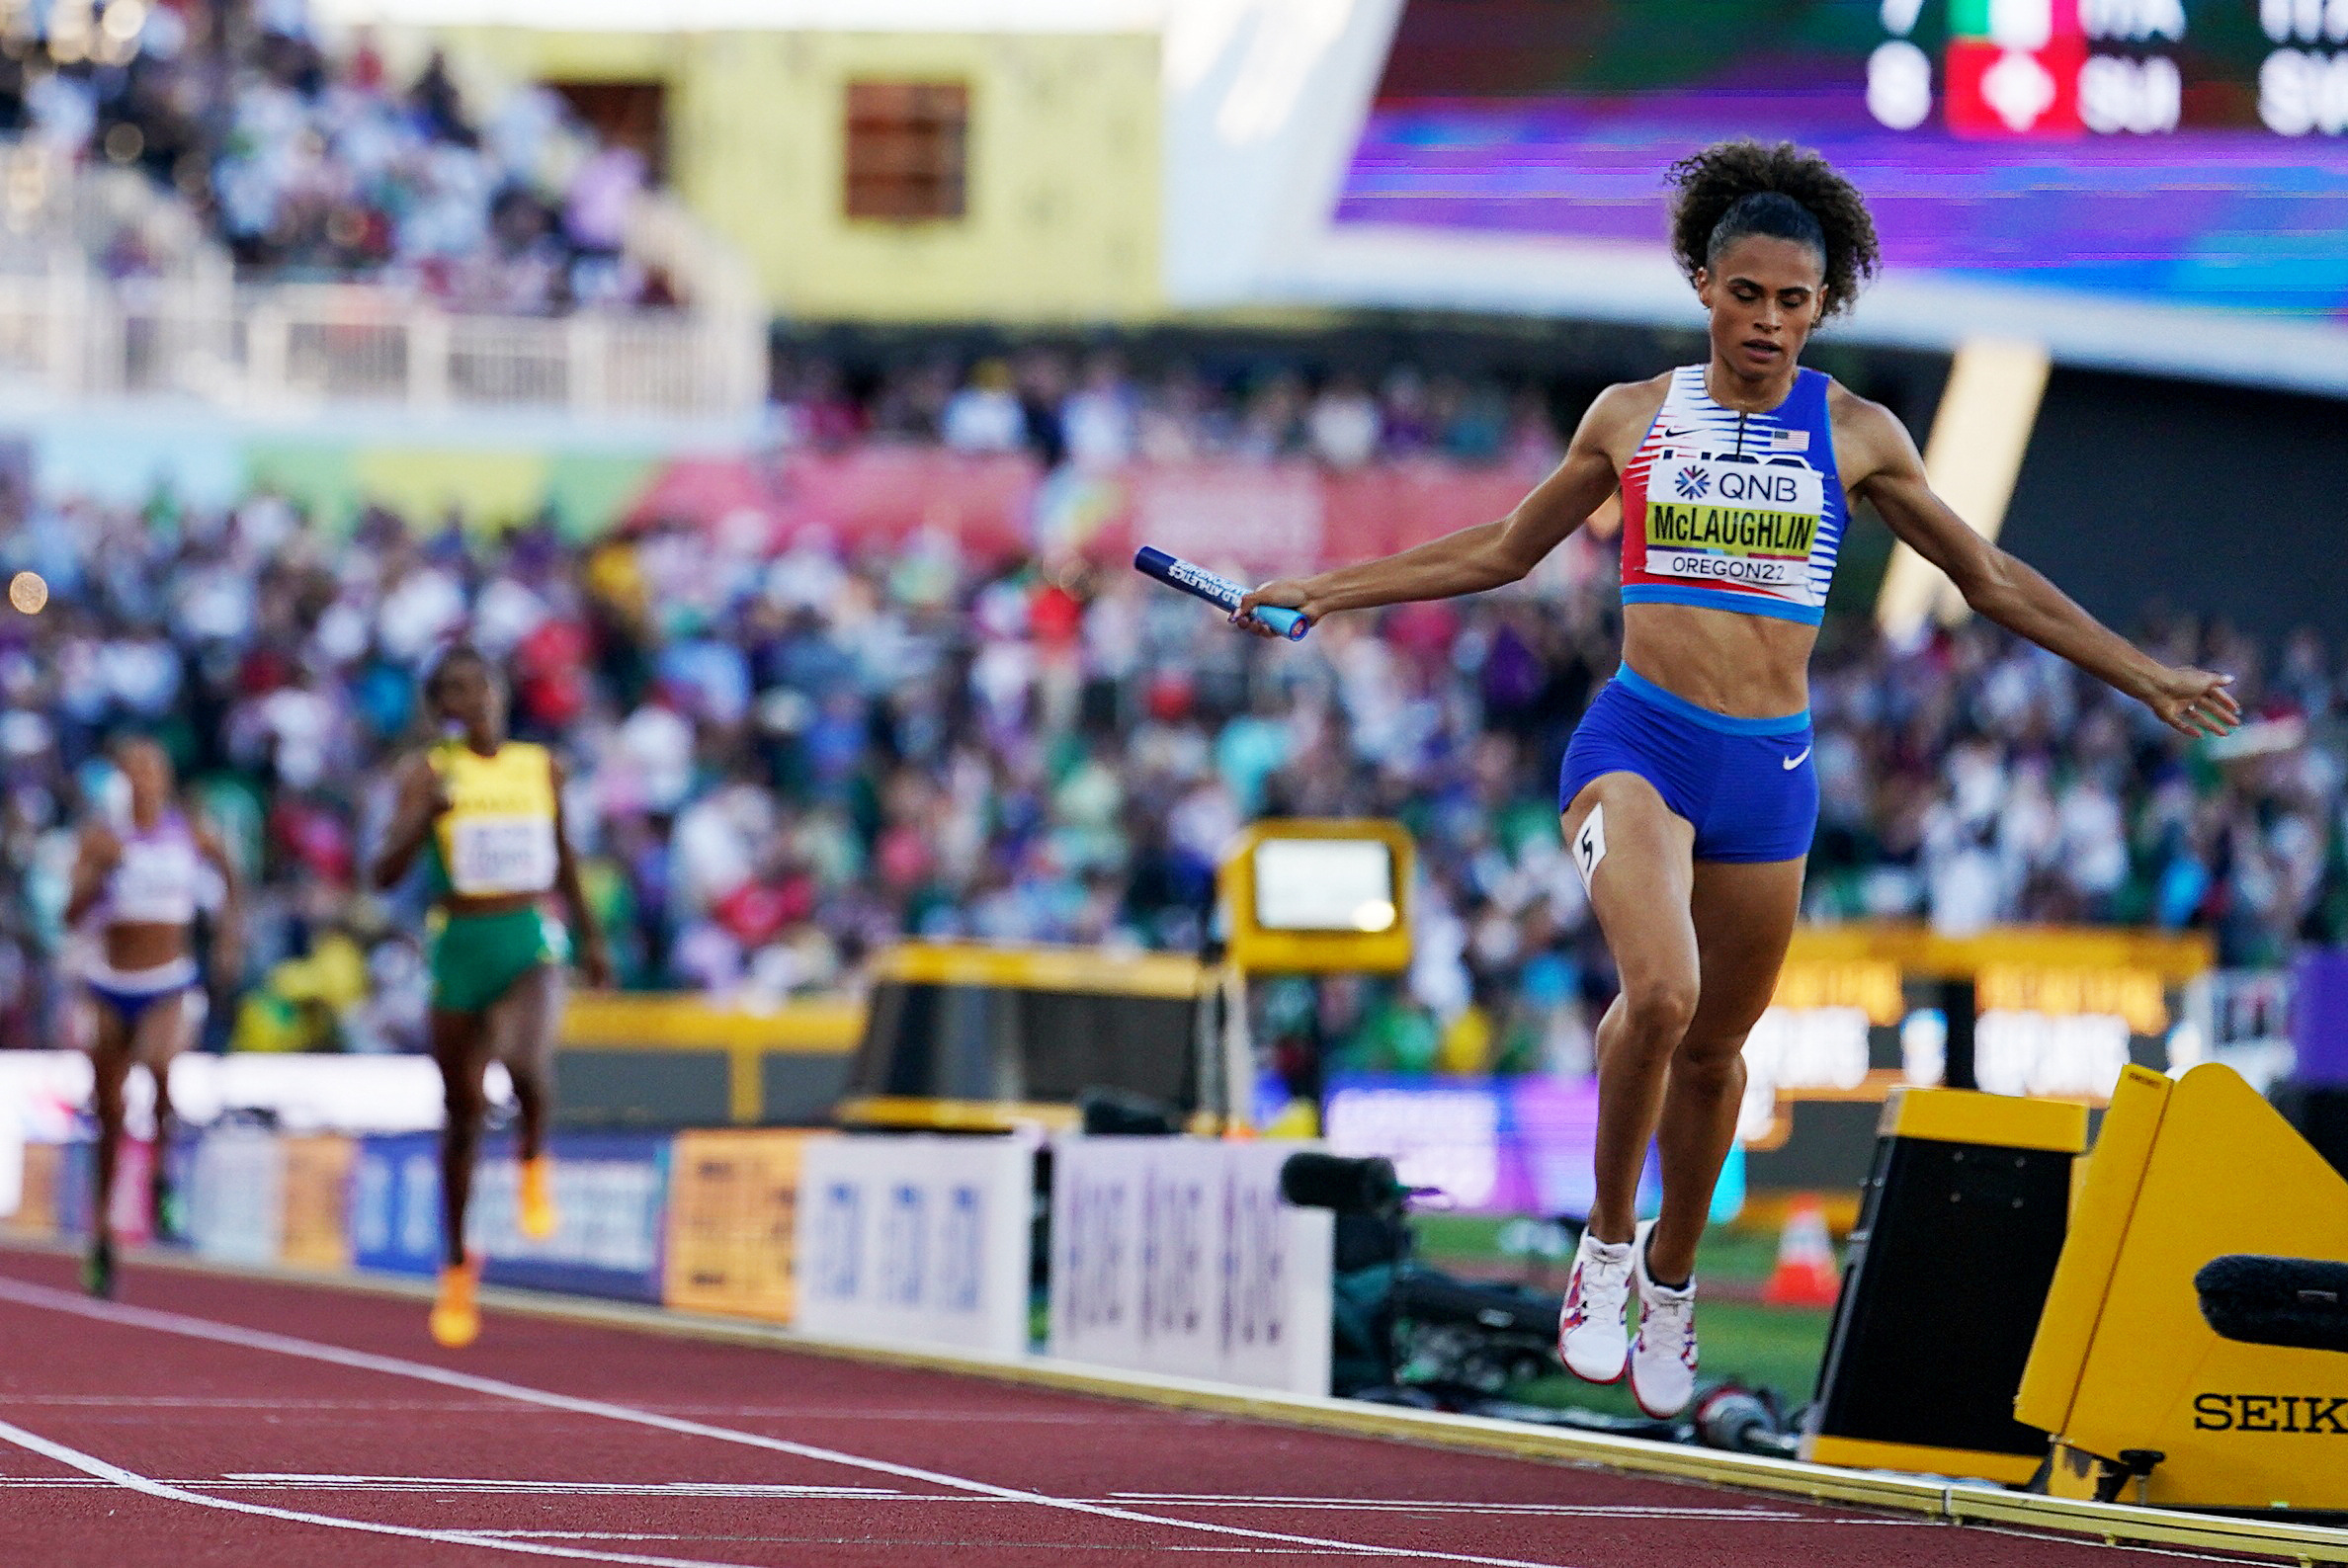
1646	690
1734	604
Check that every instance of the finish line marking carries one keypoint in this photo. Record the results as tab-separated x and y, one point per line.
131	1480
189	1327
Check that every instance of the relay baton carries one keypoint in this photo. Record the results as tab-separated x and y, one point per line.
1176	572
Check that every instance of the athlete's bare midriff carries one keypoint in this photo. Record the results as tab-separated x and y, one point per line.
134	944
1743	666
462	905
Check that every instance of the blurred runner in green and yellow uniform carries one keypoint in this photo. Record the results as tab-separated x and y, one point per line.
485	815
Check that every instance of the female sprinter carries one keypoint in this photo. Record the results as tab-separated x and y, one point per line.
486	814
143	885
1688	795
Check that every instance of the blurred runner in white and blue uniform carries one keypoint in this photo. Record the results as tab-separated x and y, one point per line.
139	884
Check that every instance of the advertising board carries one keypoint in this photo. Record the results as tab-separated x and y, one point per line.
236	1196
395	1224
1494	1145
1177	1255
916	1240
732	1218
317	1202
133	1190
611	1196
36	1213
610	1193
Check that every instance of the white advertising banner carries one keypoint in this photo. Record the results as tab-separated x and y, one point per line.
916	1241
12	1158
1177	1255
299	1093
236	1196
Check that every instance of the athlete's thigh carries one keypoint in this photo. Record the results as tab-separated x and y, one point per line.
1743	915
520	1023
461	1048
109	1038
1634	853
164	1030
110	1050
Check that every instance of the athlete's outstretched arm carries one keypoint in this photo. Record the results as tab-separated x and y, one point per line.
595	957
1486	556
93	859
2012	593
417	804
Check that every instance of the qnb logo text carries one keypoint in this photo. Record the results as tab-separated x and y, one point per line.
1760	484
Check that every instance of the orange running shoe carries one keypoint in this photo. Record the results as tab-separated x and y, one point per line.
538	1197
456	1317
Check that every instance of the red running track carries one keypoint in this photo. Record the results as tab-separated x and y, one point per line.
204	1420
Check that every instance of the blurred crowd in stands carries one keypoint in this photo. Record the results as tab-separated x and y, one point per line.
1093	410
782	760
311	165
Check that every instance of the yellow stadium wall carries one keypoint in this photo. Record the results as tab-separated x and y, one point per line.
1063	222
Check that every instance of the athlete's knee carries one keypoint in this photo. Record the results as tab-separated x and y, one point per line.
1657	1007
1712	1059
465	1104
108	1094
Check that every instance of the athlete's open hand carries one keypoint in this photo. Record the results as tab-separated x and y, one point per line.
2193	703
1285	593
102	847
595	963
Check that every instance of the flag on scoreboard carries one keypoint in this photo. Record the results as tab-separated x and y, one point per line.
2013	68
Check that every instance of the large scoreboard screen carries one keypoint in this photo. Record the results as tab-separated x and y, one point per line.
2180	151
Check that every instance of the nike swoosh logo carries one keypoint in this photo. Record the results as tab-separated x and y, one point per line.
1794	760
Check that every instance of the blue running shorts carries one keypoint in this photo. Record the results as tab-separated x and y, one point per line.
1750	787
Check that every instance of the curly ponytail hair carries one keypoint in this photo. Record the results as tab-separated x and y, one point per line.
1735	189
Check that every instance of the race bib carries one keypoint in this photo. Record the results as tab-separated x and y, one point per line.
1736	525
489	856
149	874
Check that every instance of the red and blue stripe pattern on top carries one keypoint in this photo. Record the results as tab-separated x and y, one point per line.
1732	511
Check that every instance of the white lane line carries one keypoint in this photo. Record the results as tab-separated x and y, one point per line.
131	1480
459	1406
305	1481
264	1480
46	1483
1547	1510
2176	1553
33	1295
582	1534
226	1402
1273	1500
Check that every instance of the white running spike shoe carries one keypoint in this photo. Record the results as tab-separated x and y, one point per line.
1593	1335
1663	1356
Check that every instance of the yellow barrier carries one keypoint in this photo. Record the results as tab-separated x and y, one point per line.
2123	1362
628	1020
